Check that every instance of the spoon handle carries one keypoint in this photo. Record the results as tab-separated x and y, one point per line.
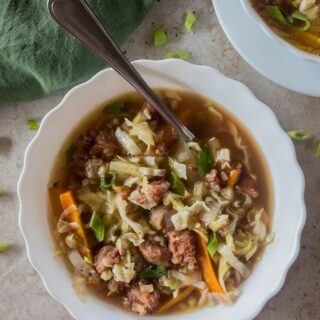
77	18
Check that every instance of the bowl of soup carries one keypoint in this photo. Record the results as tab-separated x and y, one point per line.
293	23
123	218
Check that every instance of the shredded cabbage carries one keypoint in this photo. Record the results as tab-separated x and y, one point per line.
180	169
142	131
124	271
127	143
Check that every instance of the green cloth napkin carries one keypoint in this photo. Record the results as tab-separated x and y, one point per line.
37	57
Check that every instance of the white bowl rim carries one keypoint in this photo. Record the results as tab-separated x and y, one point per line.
300	184
246	4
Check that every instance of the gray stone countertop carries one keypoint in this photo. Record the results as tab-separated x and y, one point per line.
22	294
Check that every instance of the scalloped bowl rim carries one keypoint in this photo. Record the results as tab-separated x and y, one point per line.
273	36
284	155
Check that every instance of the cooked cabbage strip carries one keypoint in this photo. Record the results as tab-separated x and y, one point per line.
206	267
172	302
67	201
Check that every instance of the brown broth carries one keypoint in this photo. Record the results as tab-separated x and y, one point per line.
204	124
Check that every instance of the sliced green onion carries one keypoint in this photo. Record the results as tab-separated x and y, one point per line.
190	20
160	38
114	108
4	246
300	21
213	245
33	124
276	14
153	272
107	181
69	153
318	150
96	224
177	185
204	160
299	135
182	55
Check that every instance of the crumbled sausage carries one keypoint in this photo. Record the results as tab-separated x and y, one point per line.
213	180
106	257
249	187
150	195
140	302
114	287
182	245
161	150
160	218
155	253
94	144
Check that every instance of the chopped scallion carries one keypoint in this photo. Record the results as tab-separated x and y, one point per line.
177	185
33	124
107	181
276	14
114	108
160	38
153	272
190	20
299	135
182	55
300	21
96	224
4	246
204	160
213	245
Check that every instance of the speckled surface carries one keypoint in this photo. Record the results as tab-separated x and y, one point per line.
22	295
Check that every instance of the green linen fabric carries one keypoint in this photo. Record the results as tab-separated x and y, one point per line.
37	57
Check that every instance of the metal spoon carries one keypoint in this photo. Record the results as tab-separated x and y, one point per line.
76	17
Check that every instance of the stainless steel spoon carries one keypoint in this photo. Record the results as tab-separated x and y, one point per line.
76	17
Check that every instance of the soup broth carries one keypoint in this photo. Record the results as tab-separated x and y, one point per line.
166	281
303	33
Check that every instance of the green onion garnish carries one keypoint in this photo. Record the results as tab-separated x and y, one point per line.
276	14
318	150
182	55
153	272
69	153
299	135
204	160
96	224
33	124
177	185
4	246
213	245
107	181
159	38
114	108
190	20
300	21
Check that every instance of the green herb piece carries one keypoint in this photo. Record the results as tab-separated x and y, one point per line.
182	55
160	38
69	153
153	272
204	160
190	20
33	124
114	108
213	245
299	20
299	135
4	246
96	224
107	181
318	150
177	185
276	14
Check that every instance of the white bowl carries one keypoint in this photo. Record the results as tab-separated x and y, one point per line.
267	277
246	4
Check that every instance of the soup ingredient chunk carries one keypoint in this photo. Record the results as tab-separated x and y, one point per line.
106	258
155	253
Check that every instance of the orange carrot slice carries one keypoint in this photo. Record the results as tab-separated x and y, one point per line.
233	178
67	201
206	266
172	302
